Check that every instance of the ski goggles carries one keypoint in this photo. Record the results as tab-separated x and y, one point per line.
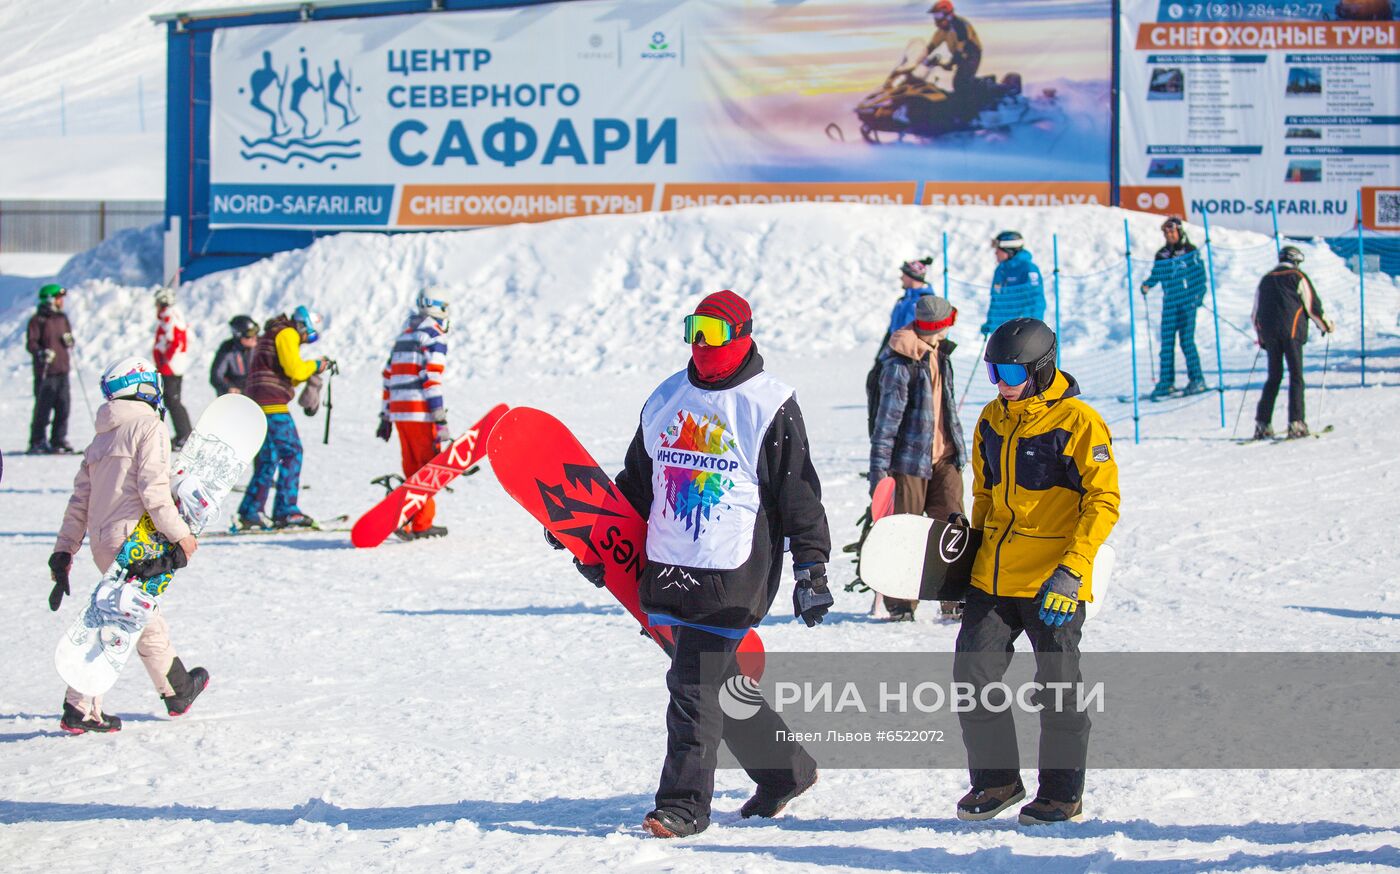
714	330
147	385
1011	374
935	327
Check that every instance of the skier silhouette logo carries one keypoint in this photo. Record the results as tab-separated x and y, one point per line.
299	126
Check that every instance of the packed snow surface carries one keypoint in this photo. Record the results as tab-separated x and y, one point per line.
471	702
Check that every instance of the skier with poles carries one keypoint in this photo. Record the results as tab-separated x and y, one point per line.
412	402
49	341
712	577
1045	496
171	353
125	473
1284	303
277	369
234	357
917	438
1018	291
1178	269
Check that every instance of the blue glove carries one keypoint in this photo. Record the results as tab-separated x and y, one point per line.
810	596
1059	597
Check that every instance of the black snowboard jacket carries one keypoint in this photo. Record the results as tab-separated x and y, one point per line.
790	507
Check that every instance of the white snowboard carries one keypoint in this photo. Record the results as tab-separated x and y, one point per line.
91	653
908	557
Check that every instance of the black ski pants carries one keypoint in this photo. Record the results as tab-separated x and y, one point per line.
51	399
695	725
181	419
1280	352
990	626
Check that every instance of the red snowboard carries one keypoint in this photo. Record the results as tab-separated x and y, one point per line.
404	502
541	464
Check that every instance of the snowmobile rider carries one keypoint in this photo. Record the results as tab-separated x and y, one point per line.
1045	496
277	369
918	439
714	554
48	339
125	473
234	357
964	49
1018	291
412	401
171	353
1177	268
1285	295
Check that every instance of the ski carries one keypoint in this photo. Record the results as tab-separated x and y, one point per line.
319	525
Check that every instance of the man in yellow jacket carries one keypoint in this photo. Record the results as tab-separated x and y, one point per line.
1045	496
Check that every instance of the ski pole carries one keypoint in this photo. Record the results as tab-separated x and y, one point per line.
1326	350
82	387
972	374
326	436
1151	356
1244	393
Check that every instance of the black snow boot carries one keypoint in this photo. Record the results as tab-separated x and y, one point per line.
666	823
768	804
187	686
74	722
40	449
1263	431
430	531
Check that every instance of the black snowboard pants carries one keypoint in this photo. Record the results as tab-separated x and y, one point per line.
1280	352
51	399
695	725
171	386
990	626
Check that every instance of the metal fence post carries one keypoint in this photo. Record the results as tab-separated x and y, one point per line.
1361	271
1215	316
945	265
1055	248
1132	327
1273	213
101	220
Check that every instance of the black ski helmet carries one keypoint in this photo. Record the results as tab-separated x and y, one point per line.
243	326
1009	241
1290	254
1029	342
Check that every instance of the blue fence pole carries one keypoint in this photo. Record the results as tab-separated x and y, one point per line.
1215	312
1055	248
1132	328
1361	271
1273	213
945	265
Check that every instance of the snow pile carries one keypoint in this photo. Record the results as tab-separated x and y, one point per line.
133	256
607	294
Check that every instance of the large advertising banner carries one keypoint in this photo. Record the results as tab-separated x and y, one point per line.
462	119
1262	109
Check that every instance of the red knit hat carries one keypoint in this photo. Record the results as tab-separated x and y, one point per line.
713	363
732	308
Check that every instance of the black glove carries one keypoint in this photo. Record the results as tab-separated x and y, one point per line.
594	573
168	563
810	597
59	563
385	430
959	520
552	540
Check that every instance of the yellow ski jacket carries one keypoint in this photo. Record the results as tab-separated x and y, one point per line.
1044	490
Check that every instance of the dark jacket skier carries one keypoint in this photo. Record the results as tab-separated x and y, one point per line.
48	339
1284	303
1177	268
234	358
721	470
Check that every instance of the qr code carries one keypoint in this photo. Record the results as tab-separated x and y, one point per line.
1388	209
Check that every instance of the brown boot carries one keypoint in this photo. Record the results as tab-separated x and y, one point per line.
1044	811
980	804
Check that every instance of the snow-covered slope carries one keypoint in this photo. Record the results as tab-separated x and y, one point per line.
471	703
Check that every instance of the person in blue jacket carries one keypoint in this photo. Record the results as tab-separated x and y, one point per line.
1018	292
913	277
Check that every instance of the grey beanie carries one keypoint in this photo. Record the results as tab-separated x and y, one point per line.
932	308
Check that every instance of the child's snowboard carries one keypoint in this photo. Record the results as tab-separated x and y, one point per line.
400	506
92	651
918	558
548	472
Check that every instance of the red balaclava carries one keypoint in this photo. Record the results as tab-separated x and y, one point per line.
713	363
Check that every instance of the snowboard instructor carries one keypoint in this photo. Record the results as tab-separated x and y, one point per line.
1045	496
125	473
714	554
412	401
48	339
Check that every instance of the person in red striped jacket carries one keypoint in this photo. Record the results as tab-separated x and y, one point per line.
412	401
171	354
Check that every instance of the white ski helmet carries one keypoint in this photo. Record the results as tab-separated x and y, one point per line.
133	377
164	296
433	302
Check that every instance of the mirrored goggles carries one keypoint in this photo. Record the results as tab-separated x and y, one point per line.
715	331
1011	374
